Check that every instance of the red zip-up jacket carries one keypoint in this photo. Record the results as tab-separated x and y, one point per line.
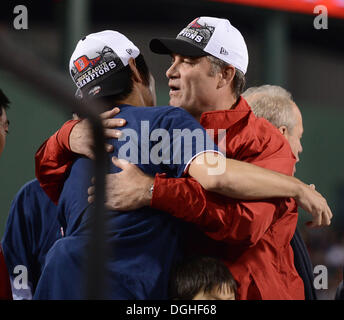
252	237
5	285
53	159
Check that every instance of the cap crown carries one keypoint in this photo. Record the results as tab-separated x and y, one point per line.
100	55
218	38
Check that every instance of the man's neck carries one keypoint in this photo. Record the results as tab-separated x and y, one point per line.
134	99
227	104
231	103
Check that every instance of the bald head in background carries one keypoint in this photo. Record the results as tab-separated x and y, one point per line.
276	105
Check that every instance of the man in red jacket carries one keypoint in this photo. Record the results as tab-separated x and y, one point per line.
5	287
206	78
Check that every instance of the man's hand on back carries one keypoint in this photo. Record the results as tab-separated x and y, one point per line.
126	190
81	137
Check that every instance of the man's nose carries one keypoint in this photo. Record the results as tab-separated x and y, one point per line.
172	71
169	72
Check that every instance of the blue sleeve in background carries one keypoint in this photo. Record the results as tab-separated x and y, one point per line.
32	228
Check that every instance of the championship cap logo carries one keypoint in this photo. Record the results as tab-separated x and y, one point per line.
83	62
197	32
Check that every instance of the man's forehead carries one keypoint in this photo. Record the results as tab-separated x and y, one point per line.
297	111
221	295
298	117
173	55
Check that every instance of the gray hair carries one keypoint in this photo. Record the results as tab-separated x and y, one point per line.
239	79
273	103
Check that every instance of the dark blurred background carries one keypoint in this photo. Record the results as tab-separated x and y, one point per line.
284	49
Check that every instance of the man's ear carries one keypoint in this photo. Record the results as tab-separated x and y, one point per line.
283	130
76	116
136	74
226	76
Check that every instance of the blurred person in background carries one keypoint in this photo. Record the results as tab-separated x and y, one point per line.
4	123
32	227
277	106
202	278
5	287
340	290
334	261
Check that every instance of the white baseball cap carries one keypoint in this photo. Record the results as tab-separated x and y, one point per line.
207	36
99	64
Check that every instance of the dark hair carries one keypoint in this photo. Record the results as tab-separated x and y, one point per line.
239	80
199	273
4	102
144	72
239	83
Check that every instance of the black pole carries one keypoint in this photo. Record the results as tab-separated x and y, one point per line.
45	79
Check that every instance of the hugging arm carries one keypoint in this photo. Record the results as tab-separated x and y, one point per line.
240	180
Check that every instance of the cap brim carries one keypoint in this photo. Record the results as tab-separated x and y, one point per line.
169	45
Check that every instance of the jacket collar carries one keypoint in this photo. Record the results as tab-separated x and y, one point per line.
226	118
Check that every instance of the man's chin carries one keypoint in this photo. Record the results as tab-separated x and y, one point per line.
174	103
